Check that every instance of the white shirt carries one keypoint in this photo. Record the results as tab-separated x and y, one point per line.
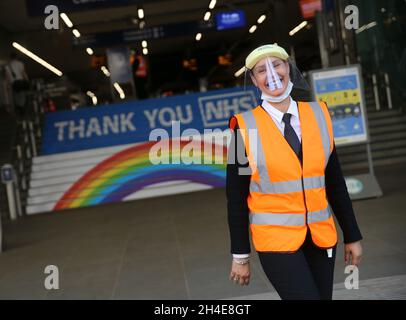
277	116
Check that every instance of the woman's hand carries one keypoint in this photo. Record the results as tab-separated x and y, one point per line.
353	252
240	273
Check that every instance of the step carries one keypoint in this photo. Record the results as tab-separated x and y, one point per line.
350	150
388	145
384	114
378	149
353	158
56	173
382	161
61	166
390	161
365	167
378	122
385	129
393	135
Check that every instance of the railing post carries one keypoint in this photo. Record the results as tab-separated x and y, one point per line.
32	138
20	159
388	92
376	93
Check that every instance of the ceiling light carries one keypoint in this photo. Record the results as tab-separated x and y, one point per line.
261	19
252	29
66	20
89	51
36	58
141	13
239	72
145	51
76	33
198	36
142	24
119	90
298	28
105	71
207	16
144	44
212	4
94	100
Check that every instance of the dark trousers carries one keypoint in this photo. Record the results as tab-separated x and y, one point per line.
307	274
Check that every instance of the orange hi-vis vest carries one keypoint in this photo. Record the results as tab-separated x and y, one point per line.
141	71
286	197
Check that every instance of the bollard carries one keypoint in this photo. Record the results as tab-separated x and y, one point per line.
8	178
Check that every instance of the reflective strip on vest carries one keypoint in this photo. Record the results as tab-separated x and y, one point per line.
289	219
322	123
257	152
277	219
314	182
318	216
288	186
265	185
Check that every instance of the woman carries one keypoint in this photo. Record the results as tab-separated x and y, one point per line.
288	188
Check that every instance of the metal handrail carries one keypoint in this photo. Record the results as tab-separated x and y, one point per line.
383	87
25	144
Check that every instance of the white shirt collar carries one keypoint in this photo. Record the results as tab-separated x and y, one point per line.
278	115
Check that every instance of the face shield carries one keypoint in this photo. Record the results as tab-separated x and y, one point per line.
276	79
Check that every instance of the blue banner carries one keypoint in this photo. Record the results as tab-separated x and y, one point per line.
230	20
132	121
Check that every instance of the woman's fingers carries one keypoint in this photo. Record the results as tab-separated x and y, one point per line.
353	252
347	255
240	274
240	278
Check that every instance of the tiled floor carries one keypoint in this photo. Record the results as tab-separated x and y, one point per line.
177	247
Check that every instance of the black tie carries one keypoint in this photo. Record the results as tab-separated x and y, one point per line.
291	136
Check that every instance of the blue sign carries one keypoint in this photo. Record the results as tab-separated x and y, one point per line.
132	121
341	89
230	20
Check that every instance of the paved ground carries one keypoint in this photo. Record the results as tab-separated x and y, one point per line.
177	247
